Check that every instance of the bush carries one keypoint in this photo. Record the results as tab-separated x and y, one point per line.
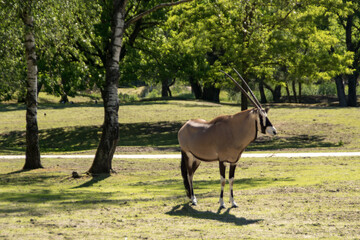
125	98
327	89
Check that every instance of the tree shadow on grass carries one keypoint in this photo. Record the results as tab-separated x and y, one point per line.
155	134
83	138
298	141
16	179
18	171
188	211
95	179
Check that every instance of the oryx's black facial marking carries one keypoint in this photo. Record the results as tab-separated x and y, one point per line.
266	126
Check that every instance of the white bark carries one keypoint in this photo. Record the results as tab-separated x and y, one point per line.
32	160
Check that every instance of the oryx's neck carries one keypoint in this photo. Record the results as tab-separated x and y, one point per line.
245	127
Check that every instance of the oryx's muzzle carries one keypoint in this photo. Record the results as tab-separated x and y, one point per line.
271	131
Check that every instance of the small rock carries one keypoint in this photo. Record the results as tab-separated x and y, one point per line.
75	175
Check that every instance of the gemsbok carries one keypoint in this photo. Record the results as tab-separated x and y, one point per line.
222	139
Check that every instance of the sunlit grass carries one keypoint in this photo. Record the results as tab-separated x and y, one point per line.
278	198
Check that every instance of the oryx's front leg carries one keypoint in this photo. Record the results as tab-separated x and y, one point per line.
222	182
231	183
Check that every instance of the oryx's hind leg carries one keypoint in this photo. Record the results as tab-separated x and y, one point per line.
231	183
189	164
222	182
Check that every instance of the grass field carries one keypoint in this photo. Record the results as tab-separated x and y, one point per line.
153	125
279	198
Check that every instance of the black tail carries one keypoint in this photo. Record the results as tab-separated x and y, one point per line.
184	172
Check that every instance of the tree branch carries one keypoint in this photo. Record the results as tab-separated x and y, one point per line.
147	12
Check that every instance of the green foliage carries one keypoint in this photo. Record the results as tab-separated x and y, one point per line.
126	98
278	41
12	61
327	89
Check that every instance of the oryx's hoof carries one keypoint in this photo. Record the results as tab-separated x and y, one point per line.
222	204
234	205
193	201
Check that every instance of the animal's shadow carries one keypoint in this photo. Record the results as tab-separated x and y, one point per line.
188	211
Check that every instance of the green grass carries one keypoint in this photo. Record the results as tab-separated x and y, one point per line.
278	199
154	125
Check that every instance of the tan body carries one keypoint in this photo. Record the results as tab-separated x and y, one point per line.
221	139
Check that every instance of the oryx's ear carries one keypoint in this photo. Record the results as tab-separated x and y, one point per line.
267	110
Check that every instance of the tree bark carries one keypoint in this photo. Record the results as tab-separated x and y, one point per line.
288	93
32	159
211	93
262	92
165	88
352	81
244	99
196	88
352	46
102	163
294	91
340	91
276	92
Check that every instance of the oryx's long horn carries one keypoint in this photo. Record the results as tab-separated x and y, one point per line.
251	92
242	89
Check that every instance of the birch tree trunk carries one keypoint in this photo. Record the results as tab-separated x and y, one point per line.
102	163
110	132
32	159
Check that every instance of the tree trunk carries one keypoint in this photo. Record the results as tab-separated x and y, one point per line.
300	91
39	86
294	91
32	159
288	93
352	46
165	88
110	134
244	99
262	92
277	94
196	88
64	98
340	91
352	81
63	92
211	93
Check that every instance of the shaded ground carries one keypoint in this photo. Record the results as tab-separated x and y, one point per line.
150	137
153	126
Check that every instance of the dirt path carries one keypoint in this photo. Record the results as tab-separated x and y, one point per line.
177	156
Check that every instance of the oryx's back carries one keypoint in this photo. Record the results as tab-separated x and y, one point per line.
203	139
